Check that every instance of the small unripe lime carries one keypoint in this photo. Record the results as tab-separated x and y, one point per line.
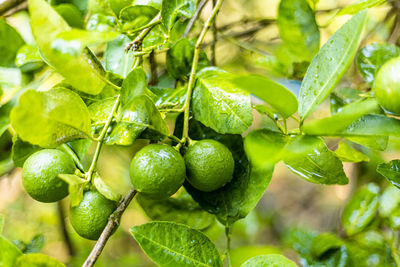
157	171
387	85
90	217
39	174
209	165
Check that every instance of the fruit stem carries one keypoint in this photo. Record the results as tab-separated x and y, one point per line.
228	234
89	174
192	77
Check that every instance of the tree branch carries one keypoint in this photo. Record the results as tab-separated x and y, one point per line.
63	227
113	221
190	25
6	5
213	61
135	44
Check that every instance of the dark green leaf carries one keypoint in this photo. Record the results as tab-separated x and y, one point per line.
391	171
228	107
76	185
271	260
10	42
298	28
136	16
117	5
361	209
105	189
324	242
50	118
172	244
70	14
171	9
8	252
116	59
308	157
35	245
181	209
37	260
359	5
330	64
347	153
277	96
46	25
28	58
134	85
372	57
21	150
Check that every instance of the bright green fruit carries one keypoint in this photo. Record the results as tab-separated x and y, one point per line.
90	217
157	171
209	165
39	174
387	85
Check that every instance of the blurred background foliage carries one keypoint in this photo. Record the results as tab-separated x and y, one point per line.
247	41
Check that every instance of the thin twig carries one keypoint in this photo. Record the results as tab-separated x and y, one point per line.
213	61
137	43
113	221
7	5
20	7
192	76
153	68
190	25
63	227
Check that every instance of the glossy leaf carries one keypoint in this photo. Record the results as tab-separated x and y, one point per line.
228	106
105	189
181	209
37	260
28	58
134	85
47	24
330	64
359	5
116	59
8	252
136	16
298	28
21	150
80	147
391	171
308	157
324	242
272	260
340	98
10	42
361	209
171	9
35	245
277	96
70	14
50	118
243	253
374	142
347	153
172	244
389	201
372	57
76	185
169	97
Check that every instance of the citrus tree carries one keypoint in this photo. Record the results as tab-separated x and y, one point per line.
82	74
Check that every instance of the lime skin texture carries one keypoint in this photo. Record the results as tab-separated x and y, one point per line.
209	164
90	217
387	85
157	171
39	175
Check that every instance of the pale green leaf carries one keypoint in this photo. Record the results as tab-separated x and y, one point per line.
8	252
105	189
347	153
10	42
28	58
76	185
272	260
37	260
359	5
116	59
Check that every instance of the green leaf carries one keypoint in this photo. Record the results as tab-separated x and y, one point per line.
324	242
1	223
50	118
361	209
74	41
70	14
342	97
308	157
117	5
243	253
169	97
5	116
37	260
175	245
28	58
298	28
342	119
105	189
347	153
330	64
389	201
237	198
372	57
171	9
21	150
181	209
277	96
8	252
116	59
374	142
80	147
76	185
272	260
359	5
47	24
136	16
391	171
134	85
10	42
36	244
219	104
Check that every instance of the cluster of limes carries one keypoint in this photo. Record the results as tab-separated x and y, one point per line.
157	170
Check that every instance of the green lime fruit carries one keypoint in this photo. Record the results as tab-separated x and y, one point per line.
90	217
209	165
39	175
157	171
387	85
